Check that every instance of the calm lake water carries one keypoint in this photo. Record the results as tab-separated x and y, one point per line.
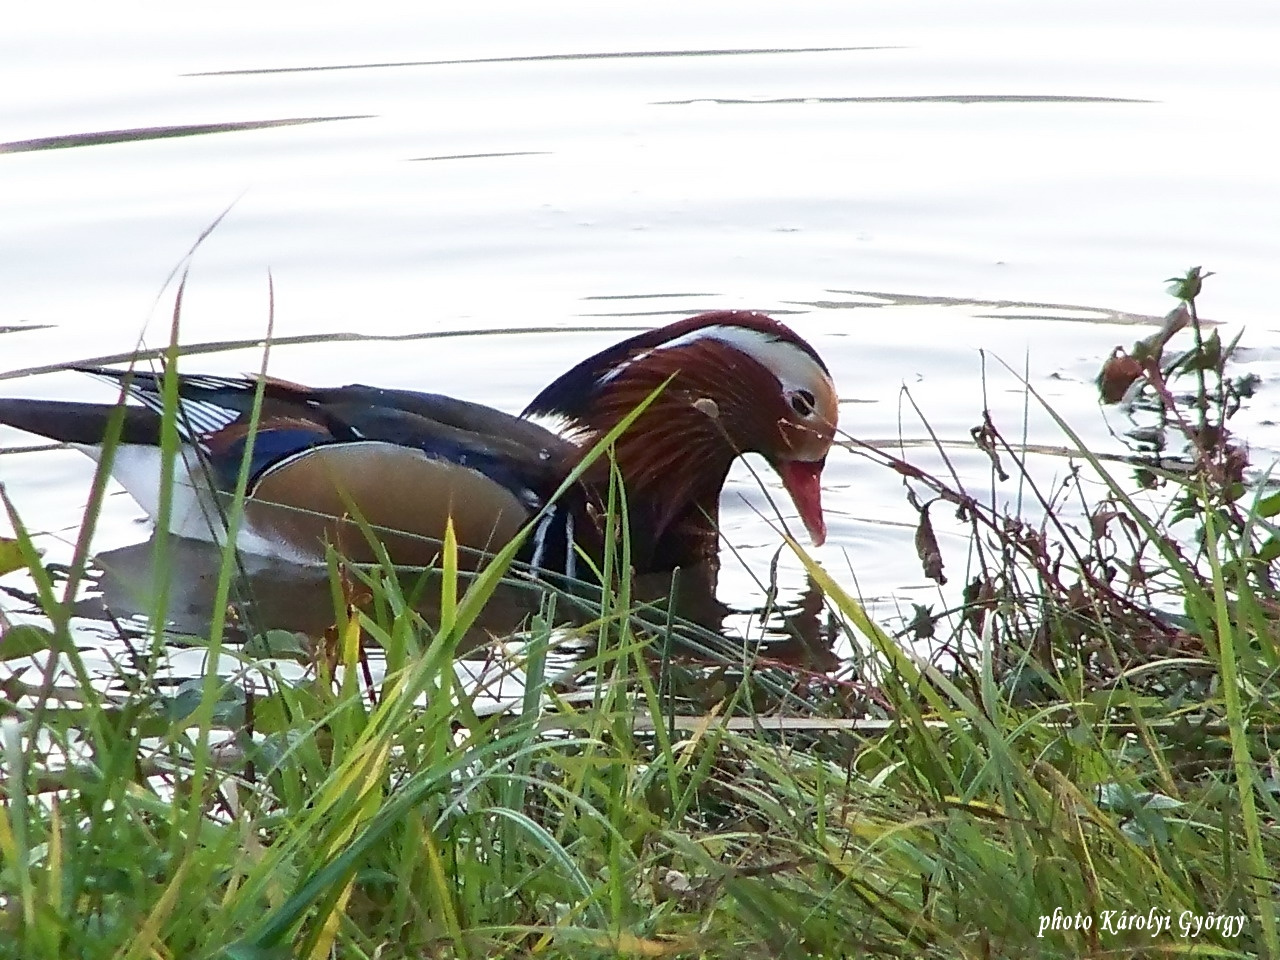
905	183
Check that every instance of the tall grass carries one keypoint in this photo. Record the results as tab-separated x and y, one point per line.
1091	754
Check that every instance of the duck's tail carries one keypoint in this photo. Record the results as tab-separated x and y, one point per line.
86	424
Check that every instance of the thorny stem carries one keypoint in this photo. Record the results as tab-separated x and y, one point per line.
1031	548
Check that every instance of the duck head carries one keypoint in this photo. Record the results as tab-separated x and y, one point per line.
731	382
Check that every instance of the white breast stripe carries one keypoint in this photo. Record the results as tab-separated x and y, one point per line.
570	558
540	539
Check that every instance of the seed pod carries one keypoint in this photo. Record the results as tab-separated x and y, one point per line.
1118	374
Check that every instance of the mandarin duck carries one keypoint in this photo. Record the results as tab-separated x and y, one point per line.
403	463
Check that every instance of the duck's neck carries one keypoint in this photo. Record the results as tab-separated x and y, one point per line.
702	405
673	462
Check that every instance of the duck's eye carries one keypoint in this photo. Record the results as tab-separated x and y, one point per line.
802	402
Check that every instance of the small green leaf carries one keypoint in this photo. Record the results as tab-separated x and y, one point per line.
280	712
1269	505
26	640
279	644
228	710
10	556
1187	287
1158	801
183	705
1269	551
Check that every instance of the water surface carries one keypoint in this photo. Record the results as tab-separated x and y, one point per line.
905	184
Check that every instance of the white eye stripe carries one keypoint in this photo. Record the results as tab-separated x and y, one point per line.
793	367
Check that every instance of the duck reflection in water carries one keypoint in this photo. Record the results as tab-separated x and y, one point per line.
274	595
